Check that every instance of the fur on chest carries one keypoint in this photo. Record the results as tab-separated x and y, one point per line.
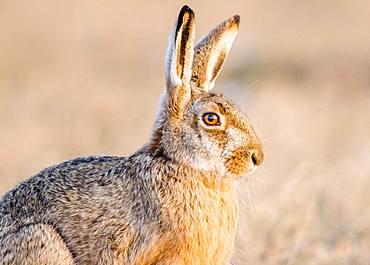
202	221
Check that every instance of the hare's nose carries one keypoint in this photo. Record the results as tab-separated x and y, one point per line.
257	157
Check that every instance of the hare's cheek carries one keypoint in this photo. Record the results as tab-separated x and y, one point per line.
236	139
214	142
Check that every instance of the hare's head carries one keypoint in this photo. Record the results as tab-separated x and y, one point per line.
194	126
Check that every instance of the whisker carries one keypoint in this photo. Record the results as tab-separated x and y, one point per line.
252	84
268	138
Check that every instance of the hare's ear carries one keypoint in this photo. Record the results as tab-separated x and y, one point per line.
211	52
179	61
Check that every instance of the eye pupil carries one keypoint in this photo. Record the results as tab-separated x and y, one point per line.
211	119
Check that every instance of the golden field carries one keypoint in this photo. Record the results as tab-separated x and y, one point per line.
84	77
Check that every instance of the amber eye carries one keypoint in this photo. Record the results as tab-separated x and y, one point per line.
211	119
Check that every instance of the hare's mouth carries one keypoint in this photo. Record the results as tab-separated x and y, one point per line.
248	171
253	170
237	167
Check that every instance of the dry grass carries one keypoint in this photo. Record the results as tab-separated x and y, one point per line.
79	78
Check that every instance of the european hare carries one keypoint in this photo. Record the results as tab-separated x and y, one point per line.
172	202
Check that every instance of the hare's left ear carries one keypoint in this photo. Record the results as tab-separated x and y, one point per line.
211	52
179	62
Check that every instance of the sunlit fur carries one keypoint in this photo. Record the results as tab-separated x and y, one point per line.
171	202
225	149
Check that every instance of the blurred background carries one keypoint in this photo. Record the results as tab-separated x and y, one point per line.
84	77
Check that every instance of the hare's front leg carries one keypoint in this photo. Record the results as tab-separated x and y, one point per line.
37	244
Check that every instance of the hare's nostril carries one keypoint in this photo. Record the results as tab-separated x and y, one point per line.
257	157
254	158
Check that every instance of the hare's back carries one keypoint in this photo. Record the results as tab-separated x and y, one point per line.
54	191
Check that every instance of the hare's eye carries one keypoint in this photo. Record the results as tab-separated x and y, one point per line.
211	119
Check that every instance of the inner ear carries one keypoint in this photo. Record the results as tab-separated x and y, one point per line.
211	52
183	46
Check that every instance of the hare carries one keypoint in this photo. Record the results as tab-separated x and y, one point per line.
171	202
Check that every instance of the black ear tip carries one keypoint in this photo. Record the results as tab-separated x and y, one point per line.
236	19
186	9
232	22
186	14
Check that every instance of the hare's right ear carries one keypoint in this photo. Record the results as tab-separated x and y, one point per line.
211	52
179	62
